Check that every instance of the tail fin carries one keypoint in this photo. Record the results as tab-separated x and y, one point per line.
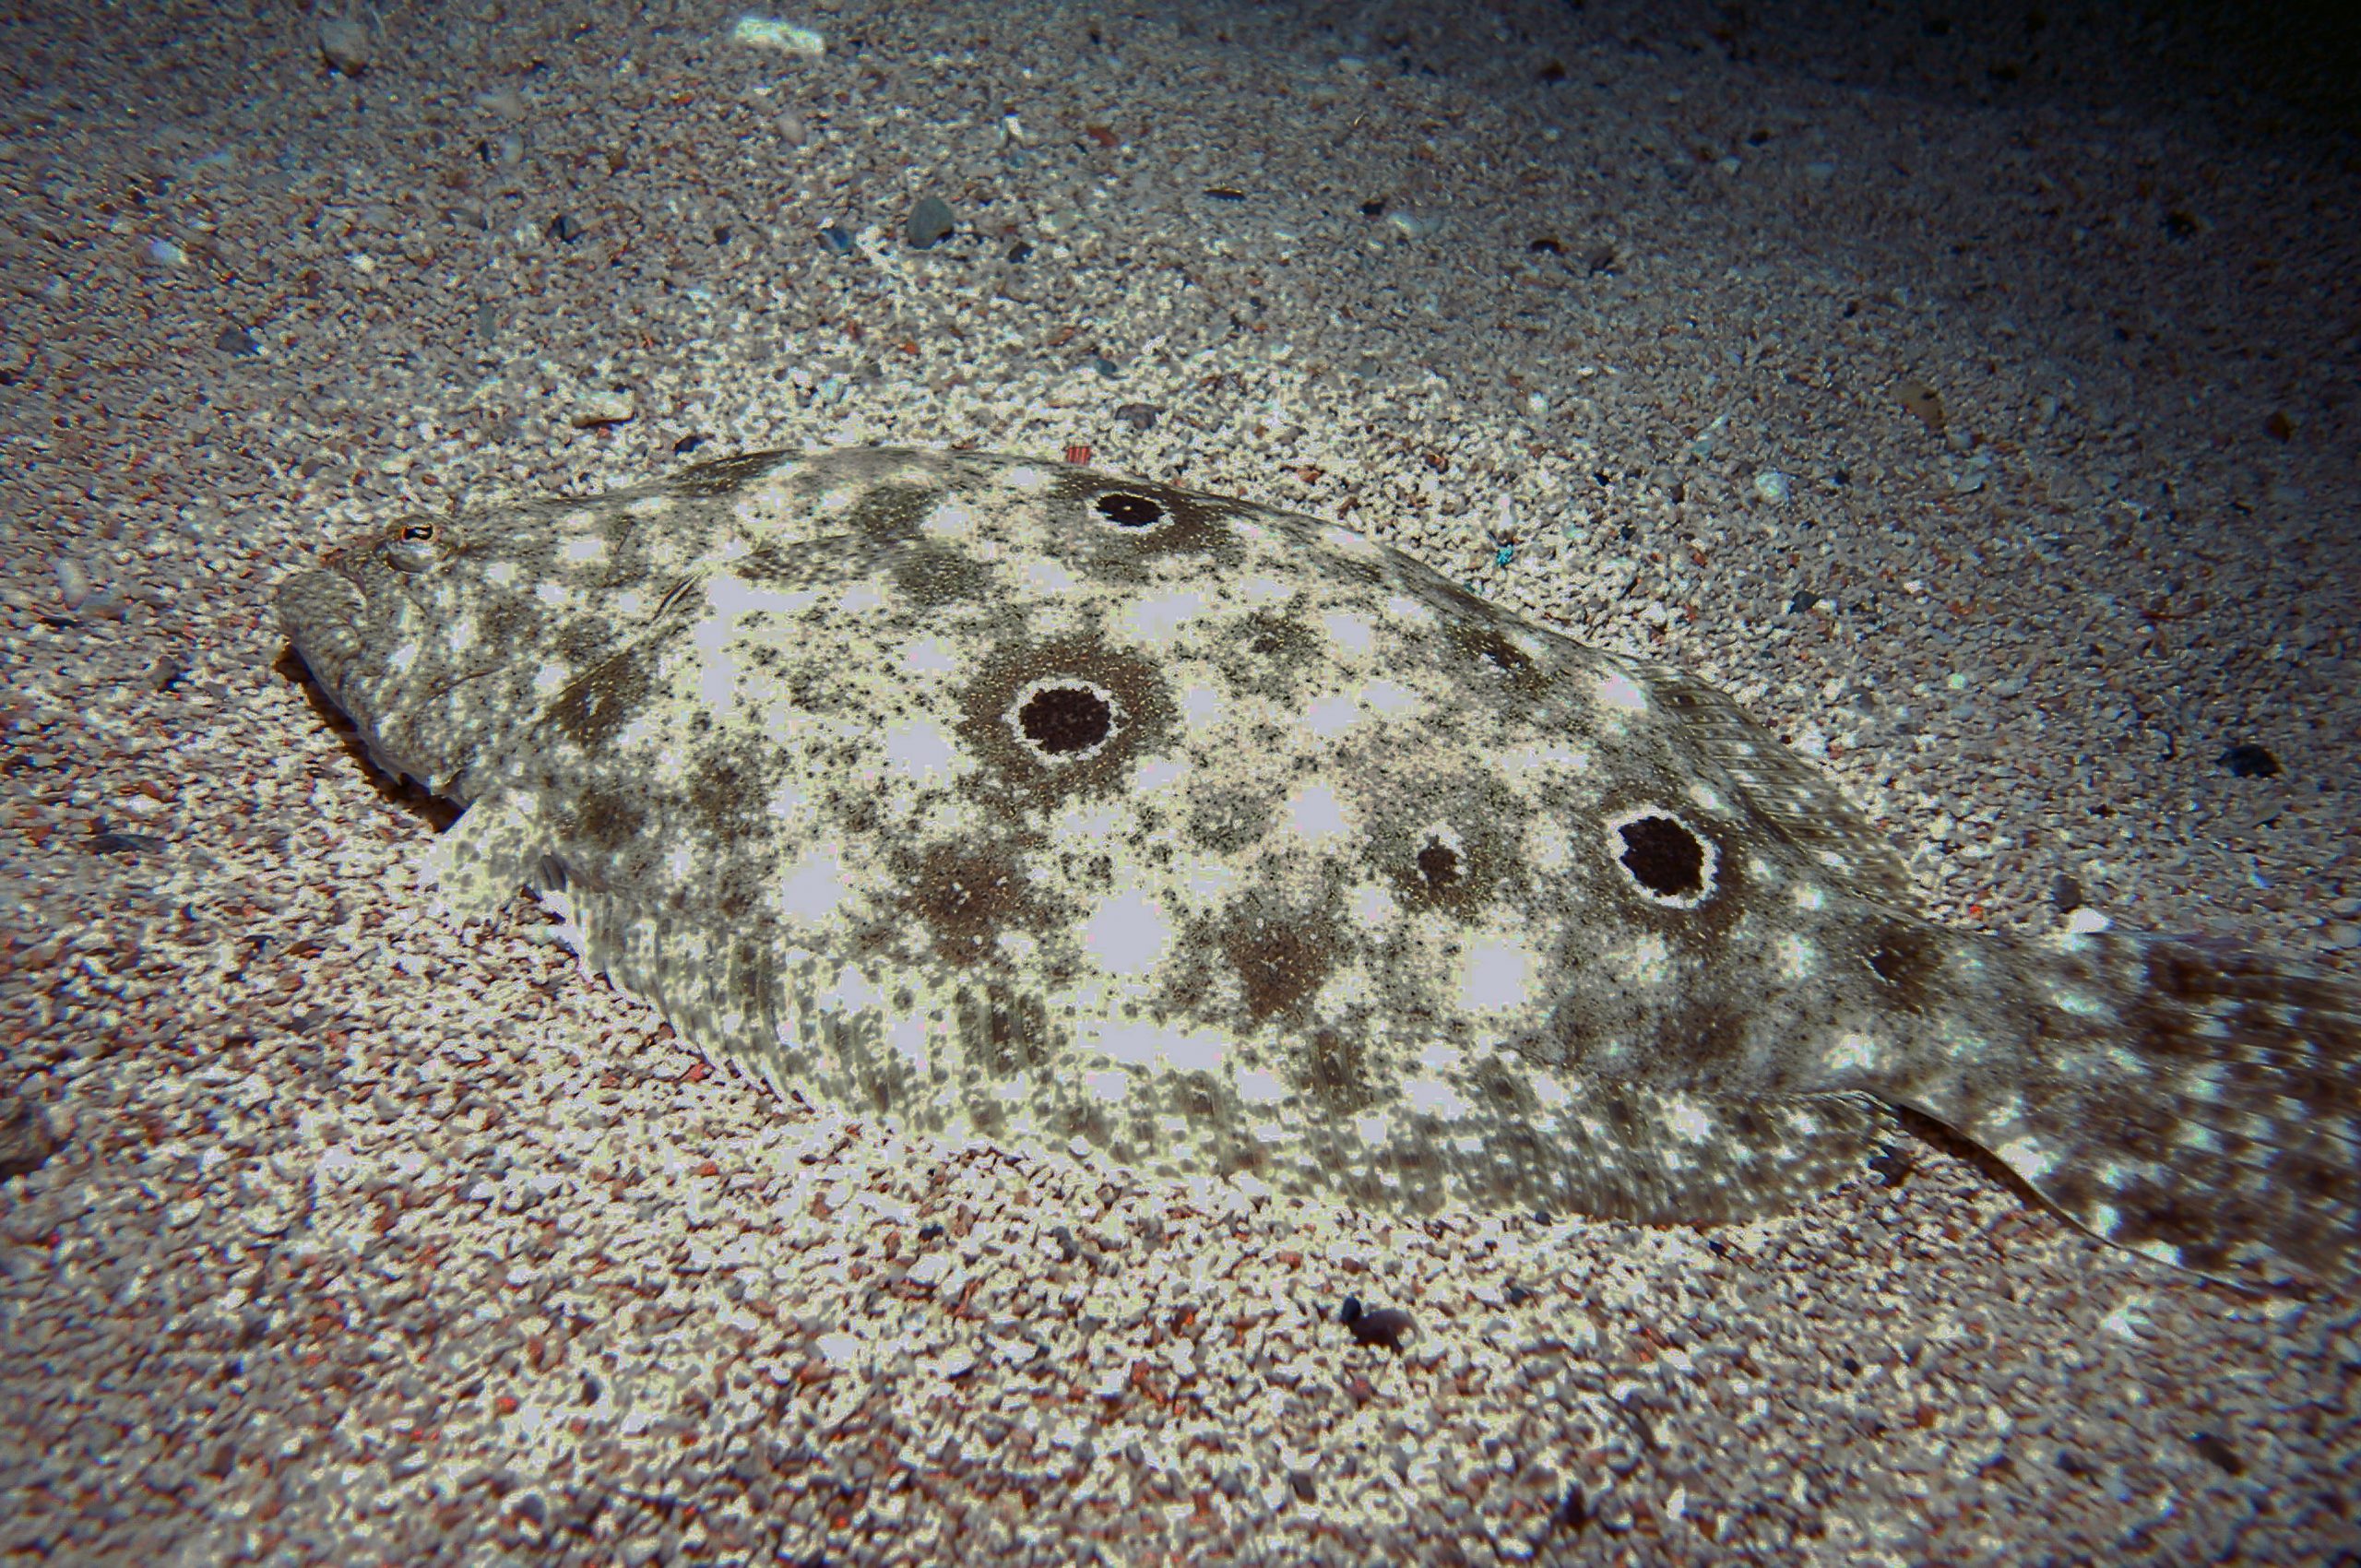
2199	1104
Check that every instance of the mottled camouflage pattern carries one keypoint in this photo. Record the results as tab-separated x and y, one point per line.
1001	796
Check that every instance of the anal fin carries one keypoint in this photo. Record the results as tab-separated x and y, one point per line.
1664	1156
1802	803
1613	1150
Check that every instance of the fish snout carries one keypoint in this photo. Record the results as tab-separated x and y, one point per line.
321	613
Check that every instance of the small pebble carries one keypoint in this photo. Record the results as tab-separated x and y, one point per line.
344	44
26	1142
769	33
73	583
1388	1326
237	340
1771	485
2247	760
1922	400
2217	1453
930	223
604	408
105	842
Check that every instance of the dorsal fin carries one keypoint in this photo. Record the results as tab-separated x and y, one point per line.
1796	799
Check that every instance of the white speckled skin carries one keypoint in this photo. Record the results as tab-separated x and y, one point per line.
994	794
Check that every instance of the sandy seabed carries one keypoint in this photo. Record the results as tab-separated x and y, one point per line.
1975	400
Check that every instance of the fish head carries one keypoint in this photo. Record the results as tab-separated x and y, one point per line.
375	623
446	640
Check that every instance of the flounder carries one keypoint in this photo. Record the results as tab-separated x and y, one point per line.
1001	797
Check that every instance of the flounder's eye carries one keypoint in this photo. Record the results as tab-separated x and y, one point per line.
413	545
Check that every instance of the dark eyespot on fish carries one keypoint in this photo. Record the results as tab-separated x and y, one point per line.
991	795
